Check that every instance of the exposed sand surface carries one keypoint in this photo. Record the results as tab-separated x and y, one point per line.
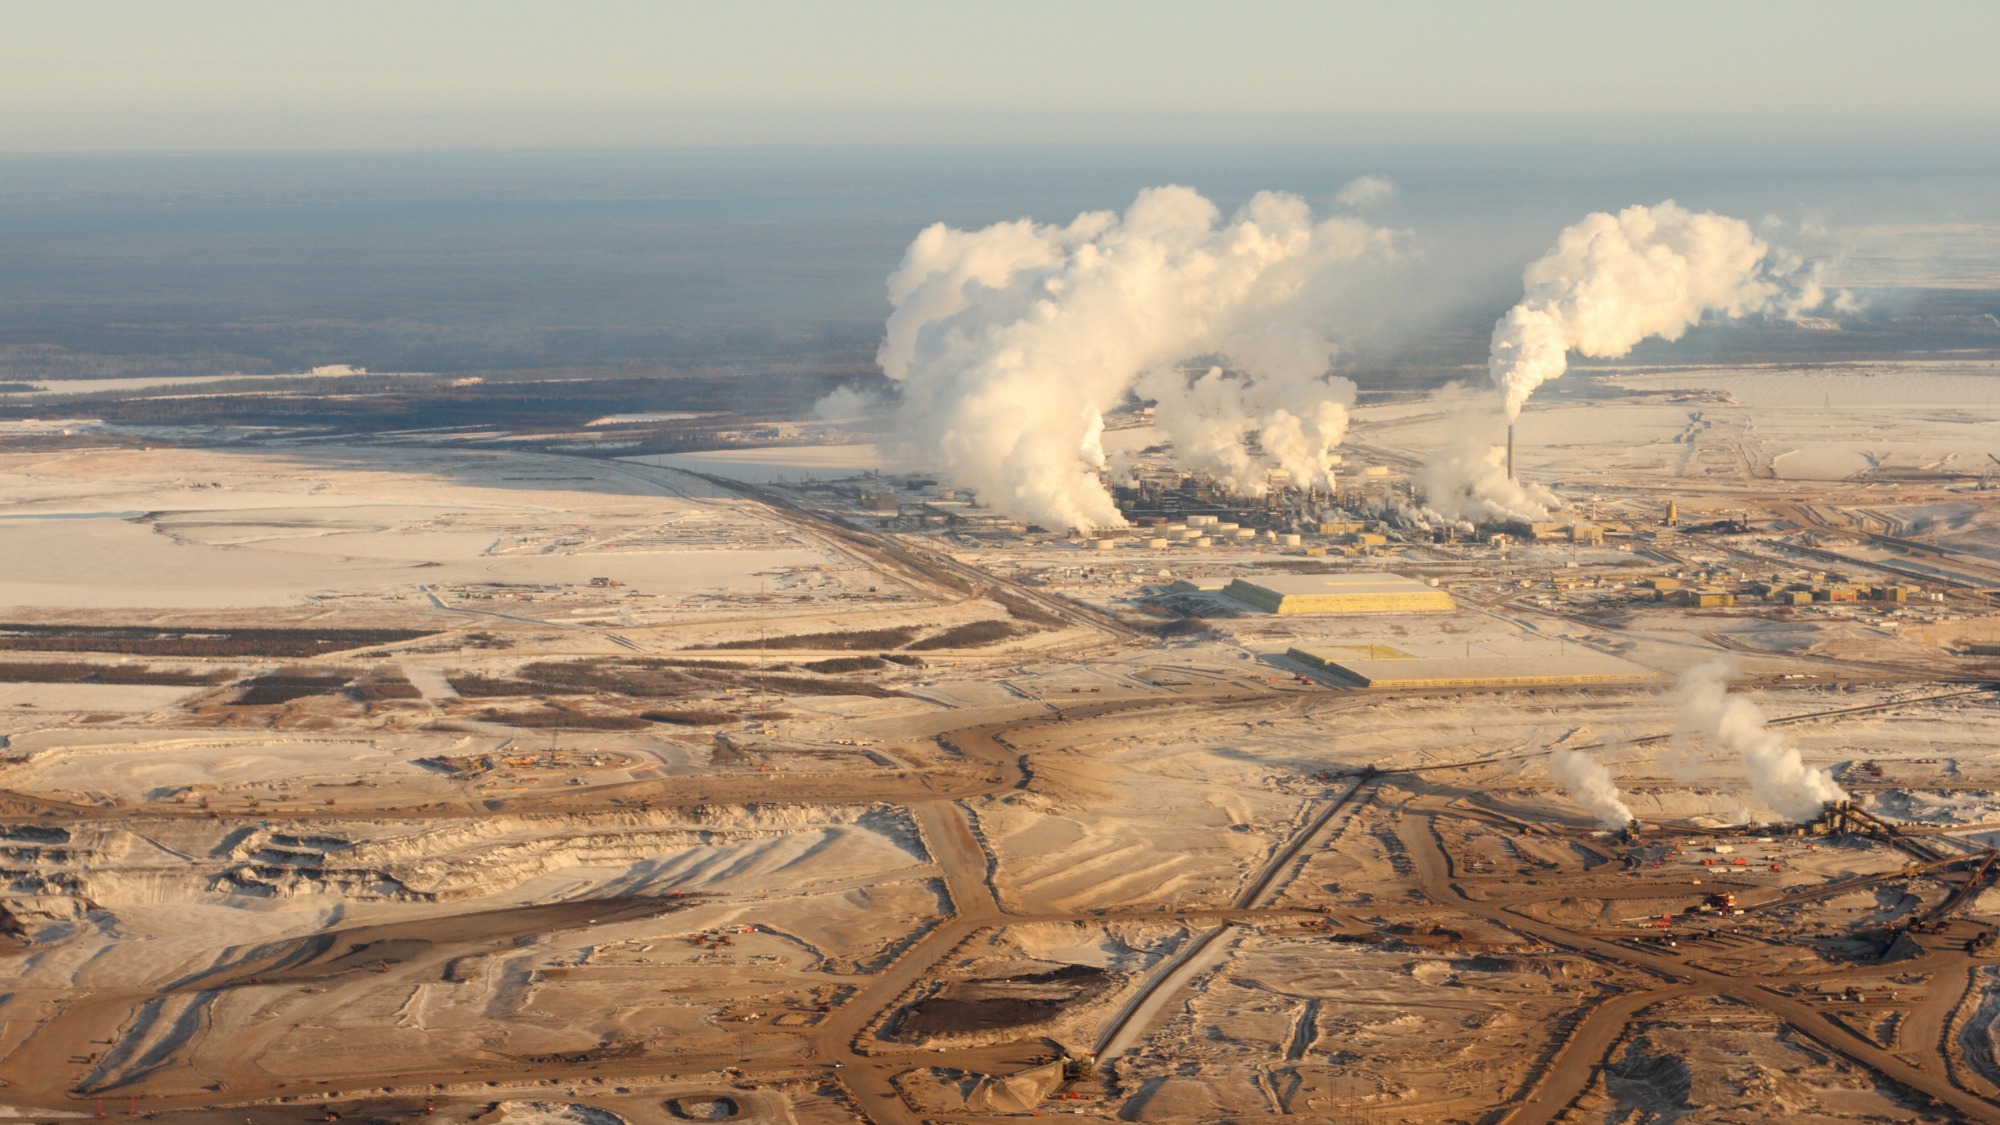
766	464
215	531
402	780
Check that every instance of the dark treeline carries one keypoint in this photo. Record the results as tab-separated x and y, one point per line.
853	639
557	717
1021	609
79	672
843	664
133	640
633	679
365	686
653	679
969	635
691	717
283	687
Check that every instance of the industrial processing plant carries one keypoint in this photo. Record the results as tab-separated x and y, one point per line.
840	631
789	780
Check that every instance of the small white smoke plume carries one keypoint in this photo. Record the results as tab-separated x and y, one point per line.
1368	191
1011	343
1778	777
847	404
1589	784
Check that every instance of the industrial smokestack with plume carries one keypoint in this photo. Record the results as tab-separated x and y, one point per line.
1610	282
1471	477
1778	776
1614	280
1589	784
1011	343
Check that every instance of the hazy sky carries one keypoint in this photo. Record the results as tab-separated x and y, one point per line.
200	74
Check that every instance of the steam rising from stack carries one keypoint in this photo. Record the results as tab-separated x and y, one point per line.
1614	280
1589	784
1011	343
1469	479
1778	777
1610	282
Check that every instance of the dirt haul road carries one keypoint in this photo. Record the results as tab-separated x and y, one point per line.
1577	1062
841	1047
44	1073
947	829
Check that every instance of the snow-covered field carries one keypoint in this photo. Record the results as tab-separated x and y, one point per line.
187	530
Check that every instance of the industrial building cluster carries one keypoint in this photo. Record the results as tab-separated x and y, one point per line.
1165	510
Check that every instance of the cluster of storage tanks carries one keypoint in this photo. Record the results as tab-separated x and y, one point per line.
1202	531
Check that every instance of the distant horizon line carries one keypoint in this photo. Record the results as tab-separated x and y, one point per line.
199	129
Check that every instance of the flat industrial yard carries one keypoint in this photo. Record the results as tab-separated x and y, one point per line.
401	778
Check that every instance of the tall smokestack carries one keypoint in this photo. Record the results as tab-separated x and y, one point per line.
1510	451
1614	280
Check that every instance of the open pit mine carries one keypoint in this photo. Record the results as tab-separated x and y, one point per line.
1132	755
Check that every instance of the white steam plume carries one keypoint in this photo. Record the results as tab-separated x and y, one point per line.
1778	777
1466	479
1614	280
1010	344
846	404
1609	282
1368	191
1589	784
1297	413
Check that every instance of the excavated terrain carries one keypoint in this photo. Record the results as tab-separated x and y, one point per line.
534	790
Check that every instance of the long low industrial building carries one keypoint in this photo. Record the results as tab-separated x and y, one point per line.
1378	666
1350	592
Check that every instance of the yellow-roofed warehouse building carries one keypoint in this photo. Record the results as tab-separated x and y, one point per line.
1352	592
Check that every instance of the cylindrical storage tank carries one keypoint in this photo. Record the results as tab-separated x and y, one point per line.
1175	527
1290	540
1181	533
1201	541
1226	526
1246	533
1203	521
1157	544
1103	544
